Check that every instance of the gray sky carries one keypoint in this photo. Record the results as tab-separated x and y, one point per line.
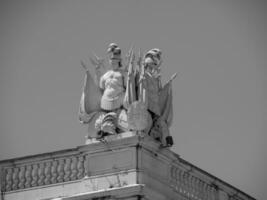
218	47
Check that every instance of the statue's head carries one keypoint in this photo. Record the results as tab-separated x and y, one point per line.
114	52
152	58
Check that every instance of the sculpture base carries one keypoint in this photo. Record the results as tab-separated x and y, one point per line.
114	137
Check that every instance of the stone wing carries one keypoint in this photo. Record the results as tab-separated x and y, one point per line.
90	99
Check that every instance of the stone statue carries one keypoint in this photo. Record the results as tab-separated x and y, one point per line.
159	98
119	98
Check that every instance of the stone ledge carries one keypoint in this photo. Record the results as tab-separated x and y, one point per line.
73	188
113	193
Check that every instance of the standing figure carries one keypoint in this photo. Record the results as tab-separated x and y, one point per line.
152	61
159	98
113	86
112	82
103	94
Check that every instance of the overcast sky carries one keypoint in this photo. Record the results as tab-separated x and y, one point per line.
218	48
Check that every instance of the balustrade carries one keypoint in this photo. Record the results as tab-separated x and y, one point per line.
41	174
67	171
60	171
73	169
15	178
80	167
54	172
8	179
190	186
23	176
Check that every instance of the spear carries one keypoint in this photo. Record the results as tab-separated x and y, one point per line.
139	60
130	62
172	78
130	87
128	56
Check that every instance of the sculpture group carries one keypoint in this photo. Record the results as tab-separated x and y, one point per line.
127	95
